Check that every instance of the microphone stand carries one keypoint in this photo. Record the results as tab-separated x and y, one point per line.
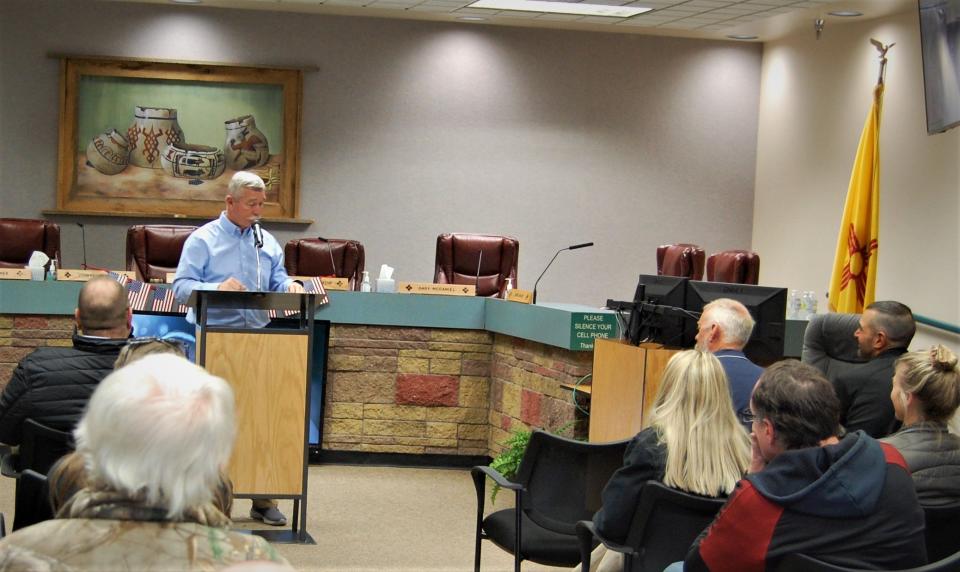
83	242
257	245
573	247
476	284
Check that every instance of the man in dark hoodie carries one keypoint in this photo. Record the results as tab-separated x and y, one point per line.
848	502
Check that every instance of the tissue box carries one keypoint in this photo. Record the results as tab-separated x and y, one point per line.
386	285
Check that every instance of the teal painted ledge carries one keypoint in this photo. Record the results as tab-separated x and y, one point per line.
567	326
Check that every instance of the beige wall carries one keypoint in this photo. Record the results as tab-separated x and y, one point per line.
815	96
411	129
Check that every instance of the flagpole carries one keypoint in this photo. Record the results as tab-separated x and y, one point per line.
883	57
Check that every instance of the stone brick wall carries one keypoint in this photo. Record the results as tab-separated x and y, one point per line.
526	391
407	390
20	335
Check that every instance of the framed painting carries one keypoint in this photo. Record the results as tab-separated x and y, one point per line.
163	139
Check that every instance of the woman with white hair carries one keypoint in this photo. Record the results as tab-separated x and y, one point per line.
693	442
153	439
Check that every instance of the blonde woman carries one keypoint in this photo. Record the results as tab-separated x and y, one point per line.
925	396
693	442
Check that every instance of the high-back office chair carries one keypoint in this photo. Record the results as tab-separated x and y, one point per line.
684	260
829	345
325	257
480	259
665	523
734	266
558	483
19	237
941	531
153	250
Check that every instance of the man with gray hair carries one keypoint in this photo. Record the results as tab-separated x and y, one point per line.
884	333
154	439
227	254
724	329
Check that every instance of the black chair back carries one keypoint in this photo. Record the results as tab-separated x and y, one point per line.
32	503
40	448
43	446
804	563
564	479
665	524
943	538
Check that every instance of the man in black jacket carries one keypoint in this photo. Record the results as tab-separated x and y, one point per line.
885	330
52	385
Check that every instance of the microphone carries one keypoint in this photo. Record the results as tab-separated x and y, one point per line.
83	242
330	252
257	234
574	247
477	283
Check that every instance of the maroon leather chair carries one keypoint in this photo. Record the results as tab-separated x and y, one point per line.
685	260
19	237
734	266
312	257
153	250
458	255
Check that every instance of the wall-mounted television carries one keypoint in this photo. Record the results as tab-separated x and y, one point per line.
940	46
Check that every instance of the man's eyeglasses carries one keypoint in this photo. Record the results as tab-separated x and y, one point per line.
747	416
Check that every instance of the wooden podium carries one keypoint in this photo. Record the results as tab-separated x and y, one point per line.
625	383
269	371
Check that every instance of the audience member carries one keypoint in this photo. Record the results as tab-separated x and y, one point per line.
926	394
52	384
693	442
724	329
849	502
885	331
154	438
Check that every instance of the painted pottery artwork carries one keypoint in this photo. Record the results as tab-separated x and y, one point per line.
246	146
108	152
186	160
153	128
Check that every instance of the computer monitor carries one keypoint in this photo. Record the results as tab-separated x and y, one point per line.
767	305
657	315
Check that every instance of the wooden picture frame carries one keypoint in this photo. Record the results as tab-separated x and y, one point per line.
140	138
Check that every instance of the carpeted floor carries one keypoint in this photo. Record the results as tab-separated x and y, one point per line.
380	518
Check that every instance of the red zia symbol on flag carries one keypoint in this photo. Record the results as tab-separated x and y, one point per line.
858	260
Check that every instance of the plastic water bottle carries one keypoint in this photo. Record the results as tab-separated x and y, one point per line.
365	284
53	270
811	304
793	305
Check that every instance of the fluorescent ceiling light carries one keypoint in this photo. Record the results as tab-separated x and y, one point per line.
846	13
187	1
741	37
580	9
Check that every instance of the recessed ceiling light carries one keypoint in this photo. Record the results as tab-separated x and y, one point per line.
846	13
579	9
741	37
472	18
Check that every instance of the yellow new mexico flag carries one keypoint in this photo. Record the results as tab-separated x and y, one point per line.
855	265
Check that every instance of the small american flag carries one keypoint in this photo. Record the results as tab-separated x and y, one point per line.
163	300
137	294
315	286
121	278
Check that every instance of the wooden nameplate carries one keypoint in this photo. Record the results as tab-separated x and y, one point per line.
436	289
329	282
521	296
15	274
80	275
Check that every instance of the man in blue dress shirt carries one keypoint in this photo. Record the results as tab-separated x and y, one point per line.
222	255
724	329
